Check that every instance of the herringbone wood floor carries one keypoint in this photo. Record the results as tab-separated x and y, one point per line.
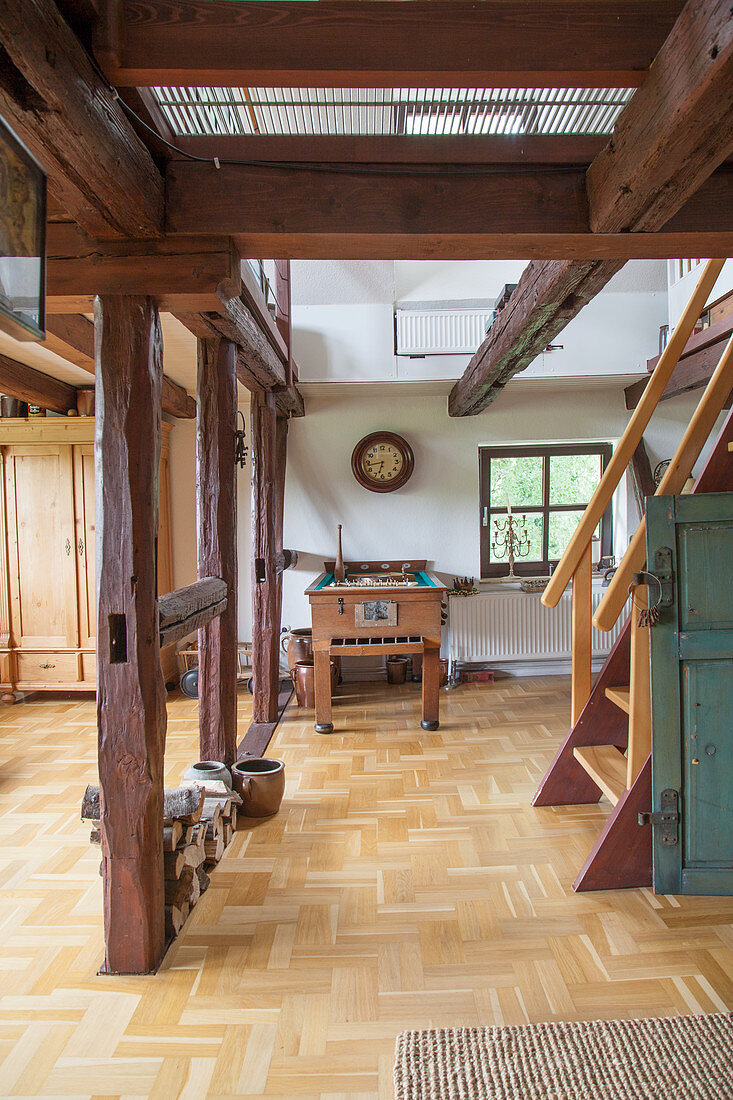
406	882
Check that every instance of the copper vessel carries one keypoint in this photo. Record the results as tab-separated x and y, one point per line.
261	784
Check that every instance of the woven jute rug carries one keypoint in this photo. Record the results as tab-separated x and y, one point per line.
683	1058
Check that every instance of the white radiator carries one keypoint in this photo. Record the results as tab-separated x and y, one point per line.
516	626
440	331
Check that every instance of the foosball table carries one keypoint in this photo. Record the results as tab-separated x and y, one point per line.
383	608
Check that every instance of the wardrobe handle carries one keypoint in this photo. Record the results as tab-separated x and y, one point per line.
67	547
81	547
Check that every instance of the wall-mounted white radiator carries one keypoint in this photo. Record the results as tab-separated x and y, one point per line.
450	331
516	626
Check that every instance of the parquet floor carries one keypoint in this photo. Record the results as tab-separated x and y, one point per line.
406	882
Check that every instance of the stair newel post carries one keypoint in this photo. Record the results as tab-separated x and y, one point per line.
581	626
640	701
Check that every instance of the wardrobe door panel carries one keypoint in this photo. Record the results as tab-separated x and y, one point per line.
41	565
84	546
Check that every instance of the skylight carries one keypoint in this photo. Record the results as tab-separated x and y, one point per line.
193	112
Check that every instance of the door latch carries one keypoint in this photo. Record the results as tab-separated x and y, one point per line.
662	578
668	819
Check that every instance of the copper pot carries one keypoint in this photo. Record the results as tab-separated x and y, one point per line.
261	785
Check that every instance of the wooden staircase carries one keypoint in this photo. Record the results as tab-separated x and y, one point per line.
608	749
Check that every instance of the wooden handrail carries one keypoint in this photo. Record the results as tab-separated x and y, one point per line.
621	457
677	473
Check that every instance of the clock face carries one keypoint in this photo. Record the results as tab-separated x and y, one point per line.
382	462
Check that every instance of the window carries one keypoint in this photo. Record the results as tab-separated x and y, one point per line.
548	486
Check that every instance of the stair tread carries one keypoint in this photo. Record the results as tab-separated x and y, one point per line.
606	765
620	696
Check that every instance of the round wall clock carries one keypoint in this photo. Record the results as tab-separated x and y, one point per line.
382	462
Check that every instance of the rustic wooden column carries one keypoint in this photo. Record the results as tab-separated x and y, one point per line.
216	507
130	690
265	600
281	456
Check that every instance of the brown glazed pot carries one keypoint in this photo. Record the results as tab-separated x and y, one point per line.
261	784
303	676
298	644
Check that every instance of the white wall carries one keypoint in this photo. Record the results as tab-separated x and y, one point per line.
436	515
343	317
681	289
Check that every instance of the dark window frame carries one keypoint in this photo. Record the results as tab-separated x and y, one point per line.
522	567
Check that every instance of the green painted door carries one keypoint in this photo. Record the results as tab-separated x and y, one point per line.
692	691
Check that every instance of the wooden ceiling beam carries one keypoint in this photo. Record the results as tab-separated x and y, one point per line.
180	273
684	110
52	97
31	385
431	43
259	367
71	336
532	149
502	213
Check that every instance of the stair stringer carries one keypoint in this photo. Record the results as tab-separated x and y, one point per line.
621	857
601	723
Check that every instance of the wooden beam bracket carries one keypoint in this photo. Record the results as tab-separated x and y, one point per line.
186	609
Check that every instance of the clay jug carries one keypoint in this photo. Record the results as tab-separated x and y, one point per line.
298	645
261	784
339	570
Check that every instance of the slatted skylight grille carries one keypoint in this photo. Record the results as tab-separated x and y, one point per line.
195	112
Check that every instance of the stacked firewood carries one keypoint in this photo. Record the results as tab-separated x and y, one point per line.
199	820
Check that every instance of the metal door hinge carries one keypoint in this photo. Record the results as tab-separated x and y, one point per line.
668	819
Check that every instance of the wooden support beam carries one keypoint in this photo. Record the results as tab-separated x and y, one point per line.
691	93
180	273
52	97
610	43
265	600
187	609
28	384
459	212
259	367
695	368
71	335
281	457
216	509
130	690
672	135
642	481
548	295
426	149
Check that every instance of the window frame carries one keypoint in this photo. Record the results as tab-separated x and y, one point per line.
523	568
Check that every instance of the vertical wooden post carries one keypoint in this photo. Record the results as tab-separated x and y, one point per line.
283	307
640	690
265	617
130	690
281	457
582	611
216	509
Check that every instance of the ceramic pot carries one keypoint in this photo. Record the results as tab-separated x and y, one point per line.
261	784
12	407
211	770
298	645
396	670
303	675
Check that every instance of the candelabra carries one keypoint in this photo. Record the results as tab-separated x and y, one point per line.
511	538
